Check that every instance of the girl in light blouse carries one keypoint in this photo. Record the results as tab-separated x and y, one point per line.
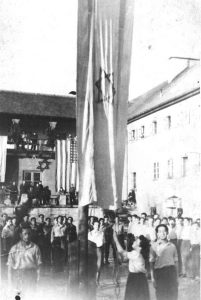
138	252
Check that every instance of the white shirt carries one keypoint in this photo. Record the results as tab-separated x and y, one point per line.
185	234
172	235
96	237
179	229
135	229
136	262
150	233
195	236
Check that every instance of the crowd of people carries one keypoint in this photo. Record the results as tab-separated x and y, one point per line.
35	194
160	249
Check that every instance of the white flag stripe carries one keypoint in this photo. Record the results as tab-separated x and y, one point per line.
88	192
68	165
66	171
58	155
3	154
73	174
63	143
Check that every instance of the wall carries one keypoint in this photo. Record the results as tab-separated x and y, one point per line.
181	139
48	176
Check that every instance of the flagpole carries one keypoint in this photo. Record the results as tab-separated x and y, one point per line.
83	251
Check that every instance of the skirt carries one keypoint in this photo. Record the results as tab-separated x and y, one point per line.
137	287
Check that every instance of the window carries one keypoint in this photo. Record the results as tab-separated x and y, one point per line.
170	169
134	181
169	124
156	170
31	176
184	166
154	124
142	132
133	134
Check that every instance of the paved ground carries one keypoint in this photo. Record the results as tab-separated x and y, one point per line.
53	286
188	289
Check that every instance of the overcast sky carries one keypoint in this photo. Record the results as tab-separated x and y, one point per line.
38	43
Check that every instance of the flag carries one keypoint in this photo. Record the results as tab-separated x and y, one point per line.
103	71
3	154
66	163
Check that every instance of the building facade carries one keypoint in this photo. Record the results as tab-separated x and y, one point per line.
164	146
31	125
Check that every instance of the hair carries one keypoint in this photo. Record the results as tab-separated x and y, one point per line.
24	227
101	219
162	225
8	219
130	240
60	217
144	213
47	219
144	244
135	216
33	218
41	215
70	218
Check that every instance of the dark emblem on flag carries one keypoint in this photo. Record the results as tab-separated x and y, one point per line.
43	165
105	86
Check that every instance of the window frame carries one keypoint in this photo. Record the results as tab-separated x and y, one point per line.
32	176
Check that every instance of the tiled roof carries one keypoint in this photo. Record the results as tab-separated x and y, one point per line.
37	104
186	83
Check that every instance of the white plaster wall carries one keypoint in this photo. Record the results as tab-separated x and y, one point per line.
48	175
182	139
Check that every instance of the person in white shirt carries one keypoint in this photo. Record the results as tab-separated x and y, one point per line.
185	245
96	236
194	256
172	235
58	249
138	251
179	229
118	227
135	227
150	230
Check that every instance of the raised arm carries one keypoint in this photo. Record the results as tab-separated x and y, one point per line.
122	252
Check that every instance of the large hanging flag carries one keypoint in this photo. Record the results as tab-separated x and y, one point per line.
103	72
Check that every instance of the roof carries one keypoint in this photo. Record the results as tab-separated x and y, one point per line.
37	104
183	86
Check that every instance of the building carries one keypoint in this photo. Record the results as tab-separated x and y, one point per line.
30	126
164	145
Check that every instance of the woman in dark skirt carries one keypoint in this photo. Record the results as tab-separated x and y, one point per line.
138	252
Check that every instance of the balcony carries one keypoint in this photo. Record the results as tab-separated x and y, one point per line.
34	148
